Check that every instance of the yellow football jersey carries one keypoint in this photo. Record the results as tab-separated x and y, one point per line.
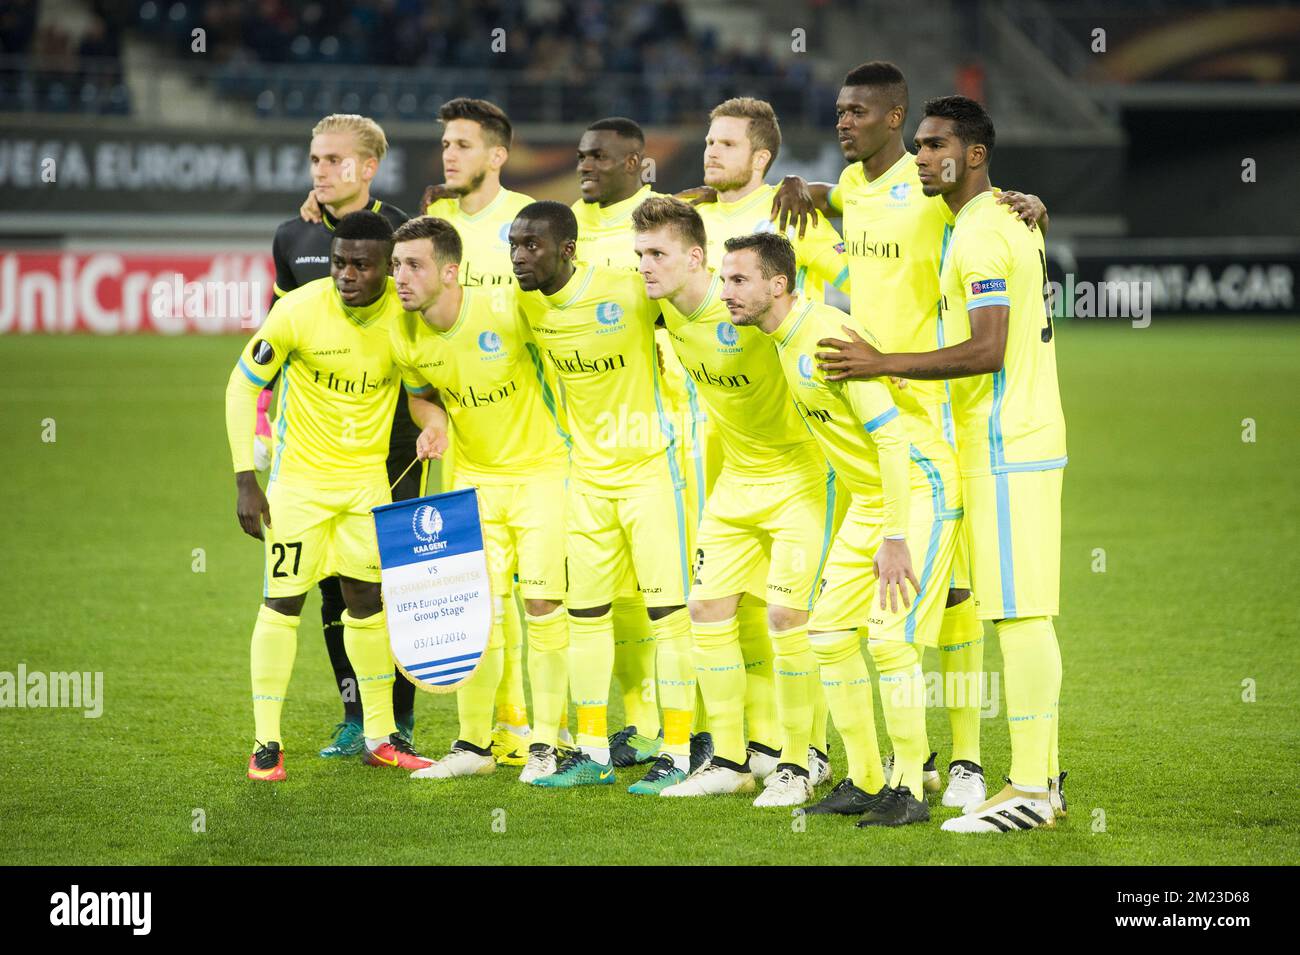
484	237
1010	420
489	374
738	375
879	439
597	336
819	255
334	410
605	235
893	238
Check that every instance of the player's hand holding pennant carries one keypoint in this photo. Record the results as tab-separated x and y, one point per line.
435	584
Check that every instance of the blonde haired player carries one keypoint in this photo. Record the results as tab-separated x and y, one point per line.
768	520
344	155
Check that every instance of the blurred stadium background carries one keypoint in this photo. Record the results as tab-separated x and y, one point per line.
176	150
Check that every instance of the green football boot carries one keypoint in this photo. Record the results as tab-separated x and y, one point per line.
349	740
627	747
663	773
578	769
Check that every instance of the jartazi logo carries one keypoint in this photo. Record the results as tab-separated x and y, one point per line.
103	908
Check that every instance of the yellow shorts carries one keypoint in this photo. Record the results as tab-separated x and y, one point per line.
606	538
317	533
850	597
523	533
769	540
1014	523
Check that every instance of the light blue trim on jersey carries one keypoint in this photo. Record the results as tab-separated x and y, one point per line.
991	300
998	463
800	278
995	418
260	382
938	494
827	534
1050	464
693	402
1006	563
679	483
548	397
882	419
945	411
841	278
422	390
941	512
281	420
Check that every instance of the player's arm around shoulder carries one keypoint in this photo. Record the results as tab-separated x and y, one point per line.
822	251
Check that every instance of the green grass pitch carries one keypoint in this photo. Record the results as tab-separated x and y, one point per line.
1169	760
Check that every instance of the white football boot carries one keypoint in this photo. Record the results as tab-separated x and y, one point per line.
712	780
965	785
541	762
819	767
1056	793
457	763
785	787
763	760
1008	811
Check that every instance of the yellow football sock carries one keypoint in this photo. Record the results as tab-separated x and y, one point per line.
1054	753
847	683
797	686
634	664
511	704
275	644
961	662
1031	677
591	665
720	672
902	697
760	677
820	713
676	679
366	642
475	696
548	673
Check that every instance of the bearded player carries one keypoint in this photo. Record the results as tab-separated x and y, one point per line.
464	358
906	499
